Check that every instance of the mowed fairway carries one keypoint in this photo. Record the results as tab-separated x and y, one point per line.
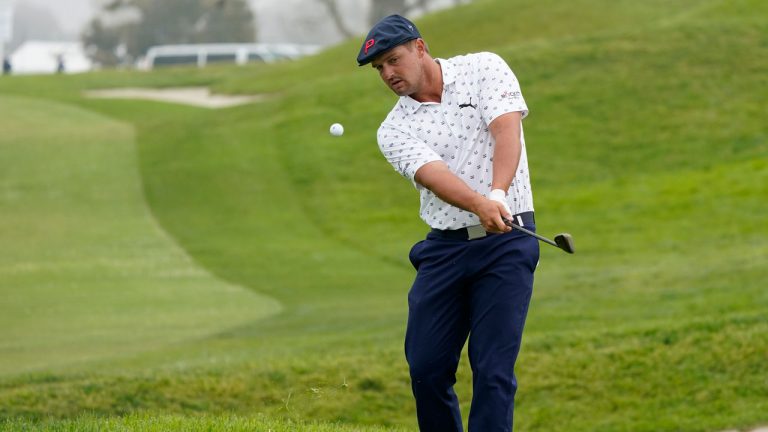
647	141
85	271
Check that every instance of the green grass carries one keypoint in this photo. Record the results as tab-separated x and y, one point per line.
86	272
646	141
162	423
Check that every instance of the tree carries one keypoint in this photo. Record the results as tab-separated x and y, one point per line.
337	17
125	29
379	9
382	8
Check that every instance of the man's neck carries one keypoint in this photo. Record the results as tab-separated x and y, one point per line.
433	88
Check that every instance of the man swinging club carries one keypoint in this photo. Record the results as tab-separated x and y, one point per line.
456	133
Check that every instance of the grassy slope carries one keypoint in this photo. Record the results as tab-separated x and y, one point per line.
646	142
85	272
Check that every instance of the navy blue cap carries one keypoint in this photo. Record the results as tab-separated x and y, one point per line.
388	33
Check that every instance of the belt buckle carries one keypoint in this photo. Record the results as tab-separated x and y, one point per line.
475	232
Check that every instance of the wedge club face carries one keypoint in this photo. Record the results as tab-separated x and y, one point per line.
565	242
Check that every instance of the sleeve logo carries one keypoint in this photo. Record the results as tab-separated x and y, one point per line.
511	95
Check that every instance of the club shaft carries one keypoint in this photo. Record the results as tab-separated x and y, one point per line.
531	233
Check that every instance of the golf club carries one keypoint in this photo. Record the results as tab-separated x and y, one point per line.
563	241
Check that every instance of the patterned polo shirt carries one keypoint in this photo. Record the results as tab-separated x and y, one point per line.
477	88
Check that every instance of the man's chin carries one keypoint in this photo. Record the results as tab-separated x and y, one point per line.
401	92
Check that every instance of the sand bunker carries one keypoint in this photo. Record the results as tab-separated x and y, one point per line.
195	96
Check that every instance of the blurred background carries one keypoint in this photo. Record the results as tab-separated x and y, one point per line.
40	36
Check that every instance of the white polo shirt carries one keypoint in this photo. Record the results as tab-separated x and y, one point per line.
477	88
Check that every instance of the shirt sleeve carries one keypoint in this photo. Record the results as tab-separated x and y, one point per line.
405	152
499	89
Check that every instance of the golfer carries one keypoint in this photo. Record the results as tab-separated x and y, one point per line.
456	133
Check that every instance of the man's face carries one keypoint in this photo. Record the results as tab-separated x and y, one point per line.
401	69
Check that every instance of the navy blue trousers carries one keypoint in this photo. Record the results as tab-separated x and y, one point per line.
479	289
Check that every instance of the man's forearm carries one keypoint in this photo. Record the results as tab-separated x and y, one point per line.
437	177
506	157
506	154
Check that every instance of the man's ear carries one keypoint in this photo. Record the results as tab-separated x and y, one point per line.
421	47
424	45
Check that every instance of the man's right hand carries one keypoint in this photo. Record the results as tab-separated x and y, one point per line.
490	213
437	177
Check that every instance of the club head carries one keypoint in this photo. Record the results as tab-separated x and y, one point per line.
565	242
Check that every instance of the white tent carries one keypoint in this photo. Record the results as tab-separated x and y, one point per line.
41	57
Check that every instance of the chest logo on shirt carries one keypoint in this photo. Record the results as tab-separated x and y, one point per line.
467	105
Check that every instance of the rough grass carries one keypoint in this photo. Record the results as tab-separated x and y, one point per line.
162	423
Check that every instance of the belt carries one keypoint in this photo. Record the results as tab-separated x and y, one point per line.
477	231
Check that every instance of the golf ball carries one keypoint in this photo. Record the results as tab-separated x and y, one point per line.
337	129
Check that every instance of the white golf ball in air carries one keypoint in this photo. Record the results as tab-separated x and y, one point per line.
337	129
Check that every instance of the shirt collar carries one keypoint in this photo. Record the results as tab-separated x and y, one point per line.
448	70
